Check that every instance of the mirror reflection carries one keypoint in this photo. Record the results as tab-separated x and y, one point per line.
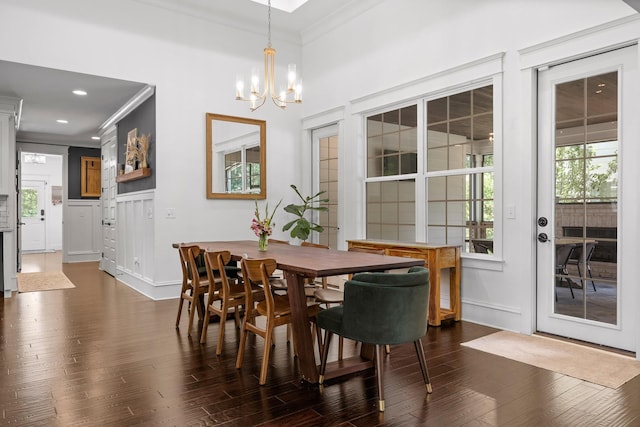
236	157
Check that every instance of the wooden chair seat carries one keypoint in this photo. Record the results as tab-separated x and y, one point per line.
329	296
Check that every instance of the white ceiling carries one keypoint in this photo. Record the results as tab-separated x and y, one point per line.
47	93
47	96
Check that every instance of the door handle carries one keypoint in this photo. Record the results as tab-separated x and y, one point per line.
543	238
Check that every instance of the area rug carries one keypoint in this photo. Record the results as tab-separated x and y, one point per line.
578	361
45	281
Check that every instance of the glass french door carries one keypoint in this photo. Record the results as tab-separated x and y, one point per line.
584	290
325	178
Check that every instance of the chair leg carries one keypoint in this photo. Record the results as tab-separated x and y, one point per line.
340	347
243	341
580	275
379	376
221	328
265	355
192	312
236	316
179	311
205	326
325	355
570	287
423	365
591	277
318	336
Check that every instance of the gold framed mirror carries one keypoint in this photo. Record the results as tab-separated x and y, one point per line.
236	157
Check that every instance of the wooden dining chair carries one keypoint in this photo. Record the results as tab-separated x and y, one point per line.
275	309
223	294
194	281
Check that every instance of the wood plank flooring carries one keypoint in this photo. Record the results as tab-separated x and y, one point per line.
101	354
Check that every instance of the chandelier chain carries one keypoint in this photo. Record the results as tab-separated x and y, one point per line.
269	20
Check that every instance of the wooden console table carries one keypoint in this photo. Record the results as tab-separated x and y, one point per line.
436	257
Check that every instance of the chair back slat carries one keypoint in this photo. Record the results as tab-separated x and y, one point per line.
215	262
258	271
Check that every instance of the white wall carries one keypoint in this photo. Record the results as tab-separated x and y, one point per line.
369	63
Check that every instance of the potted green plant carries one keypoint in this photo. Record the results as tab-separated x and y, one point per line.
301	227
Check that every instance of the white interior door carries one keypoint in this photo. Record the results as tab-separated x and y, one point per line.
32	216
587	197
108	198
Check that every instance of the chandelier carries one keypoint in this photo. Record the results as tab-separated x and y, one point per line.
293	92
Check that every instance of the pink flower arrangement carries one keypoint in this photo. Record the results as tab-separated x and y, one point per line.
263	226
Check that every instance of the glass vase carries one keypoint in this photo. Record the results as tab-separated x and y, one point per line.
262	242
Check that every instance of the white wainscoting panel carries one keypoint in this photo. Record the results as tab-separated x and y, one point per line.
82	231
135	253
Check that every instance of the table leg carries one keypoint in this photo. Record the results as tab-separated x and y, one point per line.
300	327
434	292
454	287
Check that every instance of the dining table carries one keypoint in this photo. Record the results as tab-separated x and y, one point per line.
299	264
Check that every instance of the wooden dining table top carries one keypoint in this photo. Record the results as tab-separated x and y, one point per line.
309	261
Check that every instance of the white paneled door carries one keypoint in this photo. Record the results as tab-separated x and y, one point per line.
108	199
32	216
587	228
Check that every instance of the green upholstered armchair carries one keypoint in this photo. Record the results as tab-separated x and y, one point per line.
380	309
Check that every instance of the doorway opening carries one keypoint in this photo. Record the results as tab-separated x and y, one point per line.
40	211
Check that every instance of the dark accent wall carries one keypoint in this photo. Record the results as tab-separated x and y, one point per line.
74	169
142	118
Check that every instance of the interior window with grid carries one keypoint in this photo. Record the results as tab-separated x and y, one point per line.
459	173
392	165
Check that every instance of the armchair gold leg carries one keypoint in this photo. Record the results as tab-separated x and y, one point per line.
381	405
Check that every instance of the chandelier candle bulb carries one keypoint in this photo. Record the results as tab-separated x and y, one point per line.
255	82
291	77
239	88
298	94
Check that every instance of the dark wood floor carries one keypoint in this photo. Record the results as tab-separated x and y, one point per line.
102	354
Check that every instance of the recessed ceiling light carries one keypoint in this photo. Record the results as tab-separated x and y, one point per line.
95	137
62	121
79	92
